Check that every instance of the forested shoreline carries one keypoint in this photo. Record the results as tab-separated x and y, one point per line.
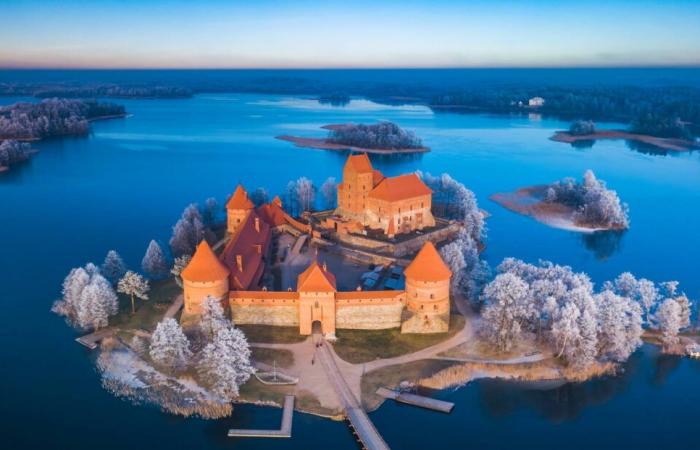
48	118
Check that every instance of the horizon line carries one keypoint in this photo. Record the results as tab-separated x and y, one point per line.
275	68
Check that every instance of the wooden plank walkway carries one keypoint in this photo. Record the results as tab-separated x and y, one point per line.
285	430
416	400
90	340
358	418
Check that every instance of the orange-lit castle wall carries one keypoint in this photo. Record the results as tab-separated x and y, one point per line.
393	204
423	307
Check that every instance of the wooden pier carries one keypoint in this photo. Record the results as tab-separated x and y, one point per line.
359	421
285	430
90	340
416	400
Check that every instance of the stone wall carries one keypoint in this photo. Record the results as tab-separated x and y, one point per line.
369	317
265	315
401	248
425	323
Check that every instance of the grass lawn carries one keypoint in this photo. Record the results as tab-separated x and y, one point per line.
148	312
282	357
391	376
358	346
254	391
267	334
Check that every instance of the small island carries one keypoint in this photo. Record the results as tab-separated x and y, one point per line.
343	308
672	136
23	122
382	138
585	206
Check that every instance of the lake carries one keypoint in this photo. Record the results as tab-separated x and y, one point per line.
129	181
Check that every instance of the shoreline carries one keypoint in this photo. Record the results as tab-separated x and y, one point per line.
528	202
673	144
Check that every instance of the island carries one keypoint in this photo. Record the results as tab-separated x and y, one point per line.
674	136
384	138
21	123
333	311
584	206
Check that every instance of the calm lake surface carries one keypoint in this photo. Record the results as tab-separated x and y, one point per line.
129	181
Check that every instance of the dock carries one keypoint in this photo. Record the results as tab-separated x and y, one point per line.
90	340
358	420
284	431
416	400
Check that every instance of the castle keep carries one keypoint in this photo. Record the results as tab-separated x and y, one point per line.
394	205
235	276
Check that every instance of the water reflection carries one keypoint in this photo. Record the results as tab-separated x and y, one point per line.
556	402
603	244
645	148
583	144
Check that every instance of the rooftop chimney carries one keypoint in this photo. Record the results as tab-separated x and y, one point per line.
239	262
257	224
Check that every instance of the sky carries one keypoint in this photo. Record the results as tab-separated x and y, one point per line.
347	34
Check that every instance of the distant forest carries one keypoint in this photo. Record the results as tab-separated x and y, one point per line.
658	102
53	117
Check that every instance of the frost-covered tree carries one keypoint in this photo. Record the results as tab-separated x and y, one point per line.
113	267
619	326
135	286
73	286
384	135
210	210
669	319
179	265
457	202
98	302
506	307
224	364
565	331
641	290
469	272
154	262
170	348
12	152
582	128
187	232
305	193
595	205
259	196
329	192
454	258
212	318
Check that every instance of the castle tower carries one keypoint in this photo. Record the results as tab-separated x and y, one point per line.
317	288
358	181
427	293
205	275
237	209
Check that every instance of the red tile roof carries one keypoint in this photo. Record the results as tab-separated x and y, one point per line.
360	163
239	200
204	266
316	279
428	265
403	187
251	244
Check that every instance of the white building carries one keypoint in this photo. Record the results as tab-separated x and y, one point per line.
536	102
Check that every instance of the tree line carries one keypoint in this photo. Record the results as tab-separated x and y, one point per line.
383	135
53	117
42	90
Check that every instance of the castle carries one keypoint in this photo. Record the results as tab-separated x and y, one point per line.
235	276
394	205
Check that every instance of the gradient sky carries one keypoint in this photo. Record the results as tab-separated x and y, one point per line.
351	33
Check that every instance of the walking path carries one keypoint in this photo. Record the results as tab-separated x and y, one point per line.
360	422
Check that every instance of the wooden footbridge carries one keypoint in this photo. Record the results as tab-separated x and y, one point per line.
358	419
284	431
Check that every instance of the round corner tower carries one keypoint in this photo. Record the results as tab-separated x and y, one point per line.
427	293
237	209
204	276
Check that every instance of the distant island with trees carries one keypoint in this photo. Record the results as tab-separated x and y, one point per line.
23	122
380	138
664	134
586	205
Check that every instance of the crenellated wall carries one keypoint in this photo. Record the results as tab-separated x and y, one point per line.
369	316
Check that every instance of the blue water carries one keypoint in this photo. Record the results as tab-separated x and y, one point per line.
128	182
